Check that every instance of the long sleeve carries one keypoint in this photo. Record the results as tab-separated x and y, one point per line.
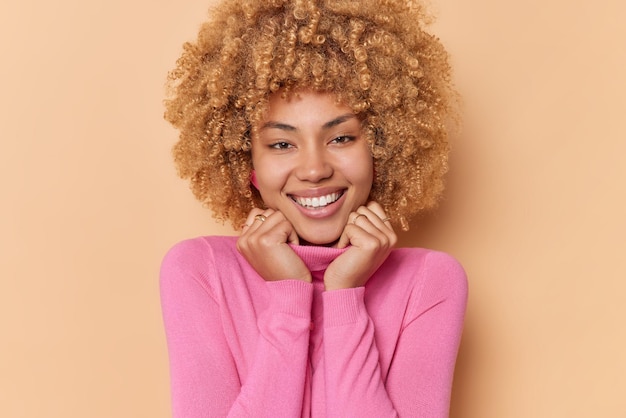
207	379
354	386
419	379
275	384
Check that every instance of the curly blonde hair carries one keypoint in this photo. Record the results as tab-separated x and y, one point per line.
374	55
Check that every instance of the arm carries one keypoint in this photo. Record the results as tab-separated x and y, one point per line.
354	386
205	380
419	380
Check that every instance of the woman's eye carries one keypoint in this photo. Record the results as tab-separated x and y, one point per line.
342	139
281	145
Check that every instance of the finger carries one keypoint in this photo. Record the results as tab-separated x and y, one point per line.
371	223
368	218
346	234
348	231
375	226
264	229
250	219
283	224
359	224
272	227
293	237
344	238
256	218
380	212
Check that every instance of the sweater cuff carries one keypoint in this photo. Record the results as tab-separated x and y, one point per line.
293	297
344	306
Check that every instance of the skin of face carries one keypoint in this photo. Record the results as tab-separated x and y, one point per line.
312	163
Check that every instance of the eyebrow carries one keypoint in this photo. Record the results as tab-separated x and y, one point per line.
330	124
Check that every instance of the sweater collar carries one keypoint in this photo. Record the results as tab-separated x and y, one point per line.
317	258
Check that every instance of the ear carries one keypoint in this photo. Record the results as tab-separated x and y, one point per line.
253	179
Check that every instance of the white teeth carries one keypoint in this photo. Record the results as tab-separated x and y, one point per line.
317	202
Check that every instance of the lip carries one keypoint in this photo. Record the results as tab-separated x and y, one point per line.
317	202
322	191
319	212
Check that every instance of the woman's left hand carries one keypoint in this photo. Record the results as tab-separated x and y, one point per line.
371	237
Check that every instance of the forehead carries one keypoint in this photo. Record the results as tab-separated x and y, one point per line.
304	107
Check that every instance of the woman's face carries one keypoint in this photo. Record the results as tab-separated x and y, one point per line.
312	163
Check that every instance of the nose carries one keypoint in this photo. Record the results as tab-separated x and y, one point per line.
314	165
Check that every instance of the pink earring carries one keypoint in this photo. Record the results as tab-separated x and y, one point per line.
253	179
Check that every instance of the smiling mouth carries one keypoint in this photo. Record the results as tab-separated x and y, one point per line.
317	202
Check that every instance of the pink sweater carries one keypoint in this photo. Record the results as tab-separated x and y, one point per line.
243	347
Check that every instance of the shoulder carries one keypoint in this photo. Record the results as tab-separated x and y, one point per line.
434	269
438	284
198	258
190	252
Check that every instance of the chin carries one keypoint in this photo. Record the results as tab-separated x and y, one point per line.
321	239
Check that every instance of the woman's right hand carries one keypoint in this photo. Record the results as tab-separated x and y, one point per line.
264	244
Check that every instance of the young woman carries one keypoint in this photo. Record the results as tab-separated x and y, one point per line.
315	126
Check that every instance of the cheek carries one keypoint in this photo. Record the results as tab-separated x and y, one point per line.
368	180
269	182
262	175
361	170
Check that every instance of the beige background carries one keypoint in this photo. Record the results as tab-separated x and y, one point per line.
90	202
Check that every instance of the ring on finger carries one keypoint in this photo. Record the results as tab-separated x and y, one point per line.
260	217
386	219
356	217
